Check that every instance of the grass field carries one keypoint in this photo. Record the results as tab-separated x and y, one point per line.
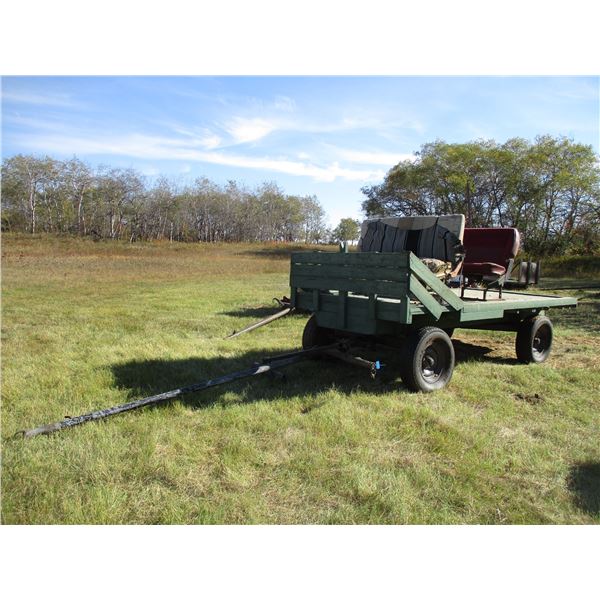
88	325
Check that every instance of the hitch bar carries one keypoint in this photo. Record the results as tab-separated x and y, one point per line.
284	304
269	364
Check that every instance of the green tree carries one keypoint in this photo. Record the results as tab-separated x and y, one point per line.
549	189
347	230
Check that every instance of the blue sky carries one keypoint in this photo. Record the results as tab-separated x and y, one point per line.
326	136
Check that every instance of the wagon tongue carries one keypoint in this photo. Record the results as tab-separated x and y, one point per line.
339	349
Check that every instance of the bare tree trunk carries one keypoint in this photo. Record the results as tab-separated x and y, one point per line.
32	206
80	220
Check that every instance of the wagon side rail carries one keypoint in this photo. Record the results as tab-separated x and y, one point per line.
435	296
346	289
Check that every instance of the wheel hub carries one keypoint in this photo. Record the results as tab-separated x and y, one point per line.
541	341
432	364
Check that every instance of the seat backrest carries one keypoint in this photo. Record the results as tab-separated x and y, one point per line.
491	244
438	237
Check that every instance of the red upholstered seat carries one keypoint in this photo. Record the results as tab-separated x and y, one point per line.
488	250
483	268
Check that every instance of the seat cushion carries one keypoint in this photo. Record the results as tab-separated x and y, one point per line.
483	268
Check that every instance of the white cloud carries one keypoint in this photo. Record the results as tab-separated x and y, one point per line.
197	136
210	141
284	103
161	148
373	158
62	100
251	129
150	171
244	130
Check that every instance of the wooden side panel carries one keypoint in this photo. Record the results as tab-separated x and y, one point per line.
354	271
367	259
391	289
366	274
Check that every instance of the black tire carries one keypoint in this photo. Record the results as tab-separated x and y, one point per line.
534	340
449	331
314	335
428	360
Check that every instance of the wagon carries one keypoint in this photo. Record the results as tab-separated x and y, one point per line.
394	297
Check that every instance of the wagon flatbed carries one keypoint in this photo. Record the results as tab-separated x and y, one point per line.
395	294
383	293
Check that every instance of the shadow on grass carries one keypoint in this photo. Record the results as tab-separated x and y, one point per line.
261	312
285	250
466	352
279	251
583	482
307	378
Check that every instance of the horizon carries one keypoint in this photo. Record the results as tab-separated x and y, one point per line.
322	136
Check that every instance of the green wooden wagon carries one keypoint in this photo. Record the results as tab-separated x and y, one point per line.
393	296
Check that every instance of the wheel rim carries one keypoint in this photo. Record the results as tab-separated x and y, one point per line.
542	339
434	362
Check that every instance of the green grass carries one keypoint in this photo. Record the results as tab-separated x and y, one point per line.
571	266
88	325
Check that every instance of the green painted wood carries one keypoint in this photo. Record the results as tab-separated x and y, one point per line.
482	309
368	259
405	312
427	277
371	294
373	306
342	310
397	312
356	324
425	298
374	273
392	289
293	296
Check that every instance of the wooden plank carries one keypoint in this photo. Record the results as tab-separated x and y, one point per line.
425	275
373	306
315	300
391	289
375	272
293	296
342	310
425	298
358	317
368	259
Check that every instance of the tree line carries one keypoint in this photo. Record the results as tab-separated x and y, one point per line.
42	194
549	189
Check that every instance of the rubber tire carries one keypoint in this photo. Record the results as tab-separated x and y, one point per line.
412	359
449	331
313	335
526	335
